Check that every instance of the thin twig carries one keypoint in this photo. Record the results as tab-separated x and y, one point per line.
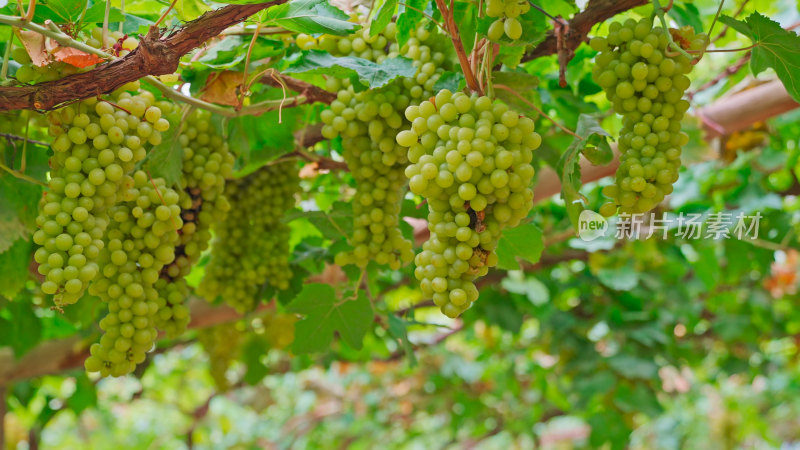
6	58
163	16
105	24
428	16
529	103
716	16
244	87
725	29
541	10
21	176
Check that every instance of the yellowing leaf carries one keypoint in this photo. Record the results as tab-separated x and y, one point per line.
221	88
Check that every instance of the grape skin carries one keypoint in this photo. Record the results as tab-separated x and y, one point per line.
474	169
646	85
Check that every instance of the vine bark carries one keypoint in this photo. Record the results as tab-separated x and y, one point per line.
158	53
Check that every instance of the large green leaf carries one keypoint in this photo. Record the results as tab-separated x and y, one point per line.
311	16
20	329
14	263
336	223
773	47
327	314
361	71
383	18
524	241
166	159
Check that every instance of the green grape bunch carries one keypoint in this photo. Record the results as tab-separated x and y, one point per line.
221	344
173	314
506	12
140	240
207	163
251	247
96	143
645	79
471	160
368	122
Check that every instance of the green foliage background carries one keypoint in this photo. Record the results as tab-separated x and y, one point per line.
669	343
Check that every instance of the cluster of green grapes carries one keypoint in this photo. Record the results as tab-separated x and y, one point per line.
277	328
645	80
173	315
471	160
368	122
207	163
221	343
140	240
506	12
251	247
359	44
95	144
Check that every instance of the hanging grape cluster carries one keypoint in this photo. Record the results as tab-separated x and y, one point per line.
95	144
277	328
645	80
173	315
140	240
221	344
368	122
207	162
251	247
506	13
471	160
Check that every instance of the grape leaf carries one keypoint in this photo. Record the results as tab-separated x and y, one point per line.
362	72
325	315
165	160
59	11
452	81
592	135
383	18
189	10
773	47
688	14
408	17
310	16
19	198
397	328
619	279
20	329
14	266
252	352
96	13
524	241
333	224
85	394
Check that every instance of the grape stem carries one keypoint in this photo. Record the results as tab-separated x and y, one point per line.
122	11
21	176
716	16
426	15
660	12
537	109
14	137
455	37
6	57
164	16
105	23
541	10
244	87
